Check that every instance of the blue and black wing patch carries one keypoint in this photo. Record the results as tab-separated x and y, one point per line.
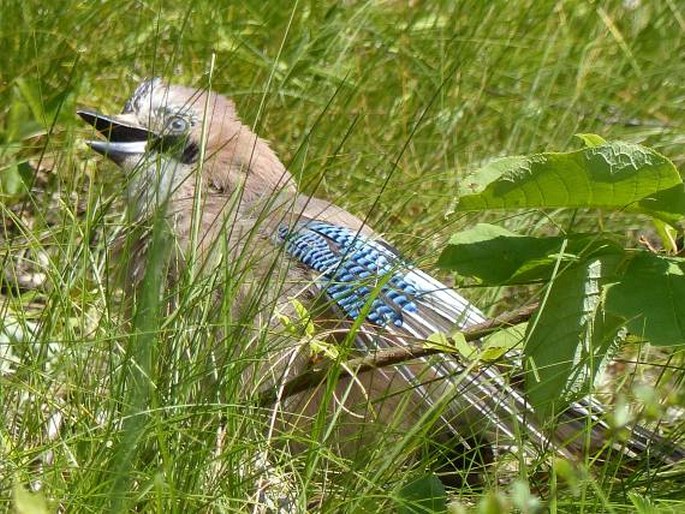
364	275
355	272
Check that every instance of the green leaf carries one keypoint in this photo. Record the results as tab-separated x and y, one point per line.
423	495
15	180
668	236
591	140
493	254
26	502
501	342
10	181
572	336
31	95
22	122
496	256
643	504
650	296
455	341
523	499
568	474
614	175
493	502
667	204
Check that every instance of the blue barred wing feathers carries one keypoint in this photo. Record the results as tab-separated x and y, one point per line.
362	274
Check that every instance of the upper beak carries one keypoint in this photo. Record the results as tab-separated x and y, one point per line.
124	138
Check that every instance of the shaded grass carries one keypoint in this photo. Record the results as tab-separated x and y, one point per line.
381	107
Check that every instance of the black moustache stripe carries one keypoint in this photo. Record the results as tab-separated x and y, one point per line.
190	153
180	146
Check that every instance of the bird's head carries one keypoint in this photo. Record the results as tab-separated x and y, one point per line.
168	133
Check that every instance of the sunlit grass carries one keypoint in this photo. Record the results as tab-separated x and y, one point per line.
379	106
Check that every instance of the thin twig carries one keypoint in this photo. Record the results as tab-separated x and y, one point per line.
391	356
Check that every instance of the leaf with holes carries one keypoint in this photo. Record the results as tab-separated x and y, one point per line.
615	175
572	337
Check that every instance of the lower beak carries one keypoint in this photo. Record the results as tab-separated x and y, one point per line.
124	138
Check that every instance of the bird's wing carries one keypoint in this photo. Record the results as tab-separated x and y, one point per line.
362	275
403	305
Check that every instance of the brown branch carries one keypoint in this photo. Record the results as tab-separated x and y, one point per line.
391	356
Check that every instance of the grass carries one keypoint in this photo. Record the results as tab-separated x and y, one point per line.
381	107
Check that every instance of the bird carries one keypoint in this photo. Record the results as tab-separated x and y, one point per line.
233	207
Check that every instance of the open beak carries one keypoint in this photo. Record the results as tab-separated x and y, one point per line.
123	138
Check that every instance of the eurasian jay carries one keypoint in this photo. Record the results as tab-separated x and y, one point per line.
234	208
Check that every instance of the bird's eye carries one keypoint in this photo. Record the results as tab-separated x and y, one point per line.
177	125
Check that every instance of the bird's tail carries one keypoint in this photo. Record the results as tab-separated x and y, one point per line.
478	398
364	277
